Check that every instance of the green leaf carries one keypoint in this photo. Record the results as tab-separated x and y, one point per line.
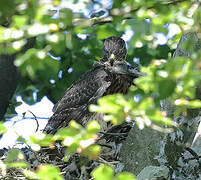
34	64
157	116
2	128
40	139
22	139
106	104
19	21
72	148
75	125
92	151
17	165
14	155
166	88
30	174
79	139
103	172
191	104
194	104
67	16
69	43
106	30
48	172
93	127
125	176
66	132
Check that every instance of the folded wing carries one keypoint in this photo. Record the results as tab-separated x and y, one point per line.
74	104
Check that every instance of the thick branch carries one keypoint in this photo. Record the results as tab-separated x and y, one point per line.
8	81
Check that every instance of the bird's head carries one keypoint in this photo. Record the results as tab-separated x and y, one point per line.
114	49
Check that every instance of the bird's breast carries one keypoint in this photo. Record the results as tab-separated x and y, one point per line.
119	84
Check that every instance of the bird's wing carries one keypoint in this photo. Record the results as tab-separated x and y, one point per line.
74	104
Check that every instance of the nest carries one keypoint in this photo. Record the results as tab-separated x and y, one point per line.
78	166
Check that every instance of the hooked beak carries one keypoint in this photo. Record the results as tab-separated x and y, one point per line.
135	72
123	68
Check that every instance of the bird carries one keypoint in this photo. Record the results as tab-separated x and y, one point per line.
110	75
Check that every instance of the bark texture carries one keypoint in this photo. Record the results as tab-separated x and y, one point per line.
148	148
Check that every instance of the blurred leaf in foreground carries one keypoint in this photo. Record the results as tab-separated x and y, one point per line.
107	173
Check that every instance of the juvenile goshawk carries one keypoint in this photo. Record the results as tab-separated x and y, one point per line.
110	75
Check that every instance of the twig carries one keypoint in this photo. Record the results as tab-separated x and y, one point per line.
113	134
35	120
105	145
107	162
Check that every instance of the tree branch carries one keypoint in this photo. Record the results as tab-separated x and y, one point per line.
84	22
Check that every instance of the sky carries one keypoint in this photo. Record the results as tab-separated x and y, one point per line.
19	126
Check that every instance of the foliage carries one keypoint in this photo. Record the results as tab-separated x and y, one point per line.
80	139
58	56
2	128
174	79
12	160
75	137
60	37
107	173
44	172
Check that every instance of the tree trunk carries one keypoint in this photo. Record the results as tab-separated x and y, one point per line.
147	152
9	76
8	81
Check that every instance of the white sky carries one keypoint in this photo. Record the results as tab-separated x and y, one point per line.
25	127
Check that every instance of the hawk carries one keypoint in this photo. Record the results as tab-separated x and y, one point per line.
109	75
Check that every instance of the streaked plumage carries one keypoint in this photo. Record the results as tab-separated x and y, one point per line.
110	75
